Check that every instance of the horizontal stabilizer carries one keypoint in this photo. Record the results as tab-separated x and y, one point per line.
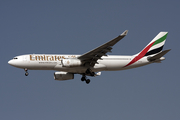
158	56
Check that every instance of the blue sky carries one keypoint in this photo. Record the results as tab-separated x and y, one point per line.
69	27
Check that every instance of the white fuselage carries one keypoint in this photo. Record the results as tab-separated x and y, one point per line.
54	62
93	61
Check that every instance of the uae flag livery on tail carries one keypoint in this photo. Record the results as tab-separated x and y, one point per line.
158	43
154	47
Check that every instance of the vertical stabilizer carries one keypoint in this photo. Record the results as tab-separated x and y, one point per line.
153	48
157	44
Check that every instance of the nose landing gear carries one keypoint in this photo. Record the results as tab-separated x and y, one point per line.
26	73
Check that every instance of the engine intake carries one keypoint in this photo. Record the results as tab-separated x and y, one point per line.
63	76
71	62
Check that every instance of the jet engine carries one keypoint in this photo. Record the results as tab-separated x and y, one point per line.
71	62
63	76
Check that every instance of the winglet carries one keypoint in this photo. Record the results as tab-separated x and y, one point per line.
124	33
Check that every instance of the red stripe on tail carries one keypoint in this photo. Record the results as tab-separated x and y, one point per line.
141	54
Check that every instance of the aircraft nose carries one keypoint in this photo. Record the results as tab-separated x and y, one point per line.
10	62
15	63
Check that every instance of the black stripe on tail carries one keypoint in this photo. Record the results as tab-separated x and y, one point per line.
154	51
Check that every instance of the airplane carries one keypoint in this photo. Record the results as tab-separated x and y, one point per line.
94	61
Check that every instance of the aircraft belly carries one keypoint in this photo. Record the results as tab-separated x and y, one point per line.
78	70
34	65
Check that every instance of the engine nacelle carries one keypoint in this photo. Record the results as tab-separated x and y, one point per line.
63	76
71	62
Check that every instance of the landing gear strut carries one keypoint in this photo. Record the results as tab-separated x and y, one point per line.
26	73
85	79
90	72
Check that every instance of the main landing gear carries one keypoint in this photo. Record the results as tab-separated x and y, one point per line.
88	72
85	79
26	73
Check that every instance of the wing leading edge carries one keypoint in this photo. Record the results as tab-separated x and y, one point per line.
90	58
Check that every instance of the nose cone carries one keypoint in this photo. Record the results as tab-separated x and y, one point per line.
10	62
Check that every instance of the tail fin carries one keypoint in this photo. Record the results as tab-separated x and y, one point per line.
156	45
153	48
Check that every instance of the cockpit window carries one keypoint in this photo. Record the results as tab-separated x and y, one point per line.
15	58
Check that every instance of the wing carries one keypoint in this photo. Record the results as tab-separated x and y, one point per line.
92	56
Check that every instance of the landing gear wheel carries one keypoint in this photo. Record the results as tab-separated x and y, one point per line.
26	74
88	81
83	78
